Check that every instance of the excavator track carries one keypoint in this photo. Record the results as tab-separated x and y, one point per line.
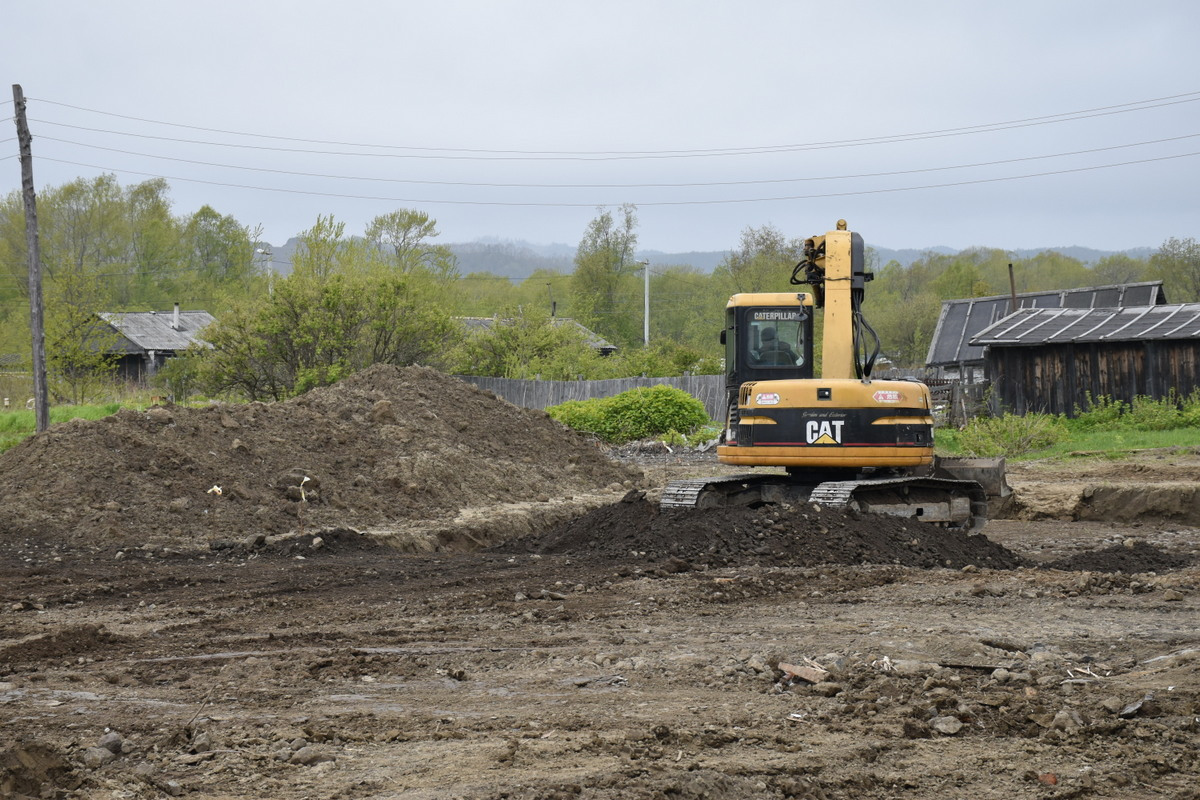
946	502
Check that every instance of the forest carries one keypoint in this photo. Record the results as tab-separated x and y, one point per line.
389	292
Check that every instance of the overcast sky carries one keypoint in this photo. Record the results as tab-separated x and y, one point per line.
515	120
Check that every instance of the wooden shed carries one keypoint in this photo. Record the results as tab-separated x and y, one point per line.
1049	360
953	351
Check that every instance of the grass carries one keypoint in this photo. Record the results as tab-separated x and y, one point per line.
18	425
1110	443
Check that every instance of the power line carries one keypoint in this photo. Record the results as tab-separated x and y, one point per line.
687	185
850	193
1088	113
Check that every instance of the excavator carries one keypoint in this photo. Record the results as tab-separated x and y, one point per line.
843	439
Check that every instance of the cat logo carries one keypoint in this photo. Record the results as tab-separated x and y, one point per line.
824	431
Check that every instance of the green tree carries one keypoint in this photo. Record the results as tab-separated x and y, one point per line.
1119	268
604	286
81	349
1177	264
339	311
405	235
218	248
527	343
763	261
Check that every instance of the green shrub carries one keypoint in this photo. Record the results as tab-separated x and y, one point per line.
1103	413
1011	435
635	414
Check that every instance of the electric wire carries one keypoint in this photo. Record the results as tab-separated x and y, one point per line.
688	185
592	204
1120	108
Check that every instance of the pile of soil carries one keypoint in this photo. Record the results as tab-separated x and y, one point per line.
385	445
1130	558
773	535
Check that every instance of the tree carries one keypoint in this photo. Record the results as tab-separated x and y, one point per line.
218	248
604	289
404	236
339	311
1119	268
526	343
763	261
81	355
1177	264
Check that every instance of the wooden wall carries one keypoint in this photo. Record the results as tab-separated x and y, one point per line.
1055	378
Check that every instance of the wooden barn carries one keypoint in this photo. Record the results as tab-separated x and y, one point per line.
953	351
1049	360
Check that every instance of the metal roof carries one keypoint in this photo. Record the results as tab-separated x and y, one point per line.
1033	326
155	330
962	320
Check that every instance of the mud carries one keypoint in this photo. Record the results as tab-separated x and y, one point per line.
525	629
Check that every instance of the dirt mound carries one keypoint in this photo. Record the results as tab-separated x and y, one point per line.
384	446
1130	557
778	535
68	641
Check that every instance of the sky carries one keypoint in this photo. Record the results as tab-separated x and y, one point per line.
1020	124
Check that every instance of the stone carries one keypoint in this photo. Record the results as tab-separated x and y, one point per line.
96	757
906	666
946	725
1067	720
309	755
111	741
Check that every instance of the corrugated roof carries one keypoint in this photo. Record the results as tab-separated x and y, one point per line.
154	330
962	320
1033	326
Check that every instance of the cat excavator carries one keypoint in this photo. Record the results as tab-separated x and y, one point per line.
843	439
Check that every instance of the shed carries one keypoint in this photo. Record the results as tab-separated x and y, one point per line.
952	349
146	339
1050	360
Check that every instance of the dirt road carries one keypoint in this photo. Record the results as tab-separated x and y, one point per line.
609	651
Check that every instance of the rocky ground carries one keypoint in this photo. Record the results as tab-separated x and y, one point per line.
570	640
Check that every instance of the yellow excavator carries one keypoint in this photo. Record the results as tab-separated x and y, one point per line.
844	438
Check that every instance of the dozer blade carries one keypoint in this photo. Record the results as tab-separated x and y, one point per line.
987	472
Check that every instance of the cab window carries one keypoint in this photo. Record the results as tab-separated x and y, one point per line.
776	339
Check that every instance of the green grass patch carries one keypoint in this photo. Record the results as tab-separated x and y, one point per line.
18	425
1107	428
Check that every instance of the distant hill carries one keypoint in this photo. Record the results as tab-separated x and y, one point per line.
517	260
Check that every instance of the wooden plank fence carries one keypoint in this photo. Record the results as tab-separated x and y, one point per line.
708	389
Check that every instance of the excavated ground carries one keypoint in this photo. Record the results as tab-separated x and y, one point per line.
469	602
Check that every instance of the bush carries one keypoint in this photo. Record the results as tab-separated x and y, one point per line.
1102	414
635	414
1011	435
1144	414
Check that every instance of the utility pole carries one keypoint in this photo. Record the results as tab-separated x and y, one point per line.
37	332
646	310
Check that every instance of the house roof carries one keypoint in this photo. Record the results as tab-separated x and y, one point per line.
962	320
1034	326
154	330
478	324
